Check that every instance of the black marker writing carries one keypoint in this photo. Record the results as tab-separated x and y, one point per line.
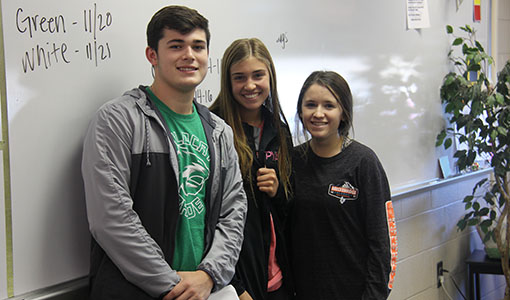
44	56
203	96
36	23
283	39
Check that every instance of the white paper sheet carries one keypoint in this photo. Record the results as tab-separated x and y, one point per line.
417	14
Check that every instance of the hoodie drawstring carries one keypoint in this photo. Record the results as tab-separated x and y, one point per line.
147	141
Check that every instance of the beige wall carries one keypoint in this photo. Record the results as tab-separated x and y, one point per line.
502	33
427	233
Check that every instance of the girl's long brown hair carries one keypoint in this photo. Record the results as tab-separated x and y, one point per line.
228	108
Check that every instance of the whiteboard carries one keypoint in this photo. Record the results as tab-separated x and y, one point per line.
66	58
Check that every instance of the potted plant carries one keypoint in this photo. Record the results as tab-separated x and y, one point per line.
478	114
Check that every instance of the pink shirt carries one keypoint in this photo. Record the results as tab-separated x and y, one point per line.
275	276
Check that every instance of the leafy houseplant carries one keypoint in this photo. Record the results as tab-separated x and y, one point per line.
478	111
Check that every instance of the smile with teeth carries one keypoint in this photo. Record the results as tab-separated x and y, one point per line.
187	69
251	96
316	123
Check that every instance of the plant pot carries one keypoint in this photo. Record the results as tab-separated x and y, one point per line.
490	246
491	249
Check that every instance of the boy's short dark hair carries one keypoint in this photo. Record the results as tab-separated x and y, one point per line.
180	18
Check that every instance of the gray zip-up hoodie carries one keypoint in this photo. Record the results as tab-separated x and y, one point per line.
130	172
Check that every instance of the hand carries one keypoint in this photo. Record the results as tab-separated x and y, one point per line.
193	286
267	181
245	296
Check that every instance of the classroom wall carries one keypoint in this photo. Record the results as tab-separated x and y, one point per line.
425	223
503	36
427	234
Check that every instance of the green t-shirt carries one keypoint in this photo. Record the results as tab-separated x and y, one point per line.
193	155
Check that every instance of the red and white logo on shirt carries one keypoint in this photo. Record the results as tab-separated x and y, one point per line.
343	192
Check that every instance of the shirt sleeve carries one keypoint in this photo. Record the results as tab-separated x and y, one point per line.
221	259
380	230
113	223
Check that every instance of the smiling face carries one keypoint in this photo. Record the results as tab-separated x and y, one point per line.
250	84
180	63
321	113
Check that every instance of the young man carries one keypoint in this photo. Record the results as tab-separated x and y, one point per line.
164	195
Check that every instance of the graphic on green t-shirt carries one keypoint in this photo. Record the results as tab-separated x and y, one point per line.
193	155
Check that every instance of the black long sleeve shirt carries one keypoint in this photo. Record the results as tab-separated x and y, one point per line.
342	231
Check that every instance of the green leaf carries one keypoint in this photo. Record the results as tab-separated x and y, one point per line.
462	139
494	134
465	50
440	138
473	222
483	212
479	46
474	66
471	158
479	184
476	107
491	100
502	130
460	153
447	143
450	107
449	79
500	99
462	224
468	198
485	225
476	206
457	41
449	29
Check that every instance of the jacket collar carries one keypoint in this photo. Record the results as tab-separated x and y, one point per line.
148	107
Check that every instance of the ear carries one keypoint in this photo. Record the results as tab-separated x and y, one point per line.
152	55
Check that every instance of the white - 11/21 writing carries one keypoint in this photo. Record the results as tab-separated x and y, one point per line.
45	55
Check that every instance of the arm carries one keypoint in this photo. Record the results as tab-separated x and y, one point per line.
221	259
245	296
194	285
381	232
112	221
267	181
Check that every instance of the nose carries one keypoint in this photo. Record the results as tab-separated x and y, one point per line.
188	54
250	85
319	112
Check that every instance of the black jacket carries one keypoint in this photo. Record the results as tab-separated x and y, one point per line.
252	268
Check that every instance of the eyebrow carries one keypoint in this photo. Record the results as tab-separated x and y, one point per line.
256	71
182	41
